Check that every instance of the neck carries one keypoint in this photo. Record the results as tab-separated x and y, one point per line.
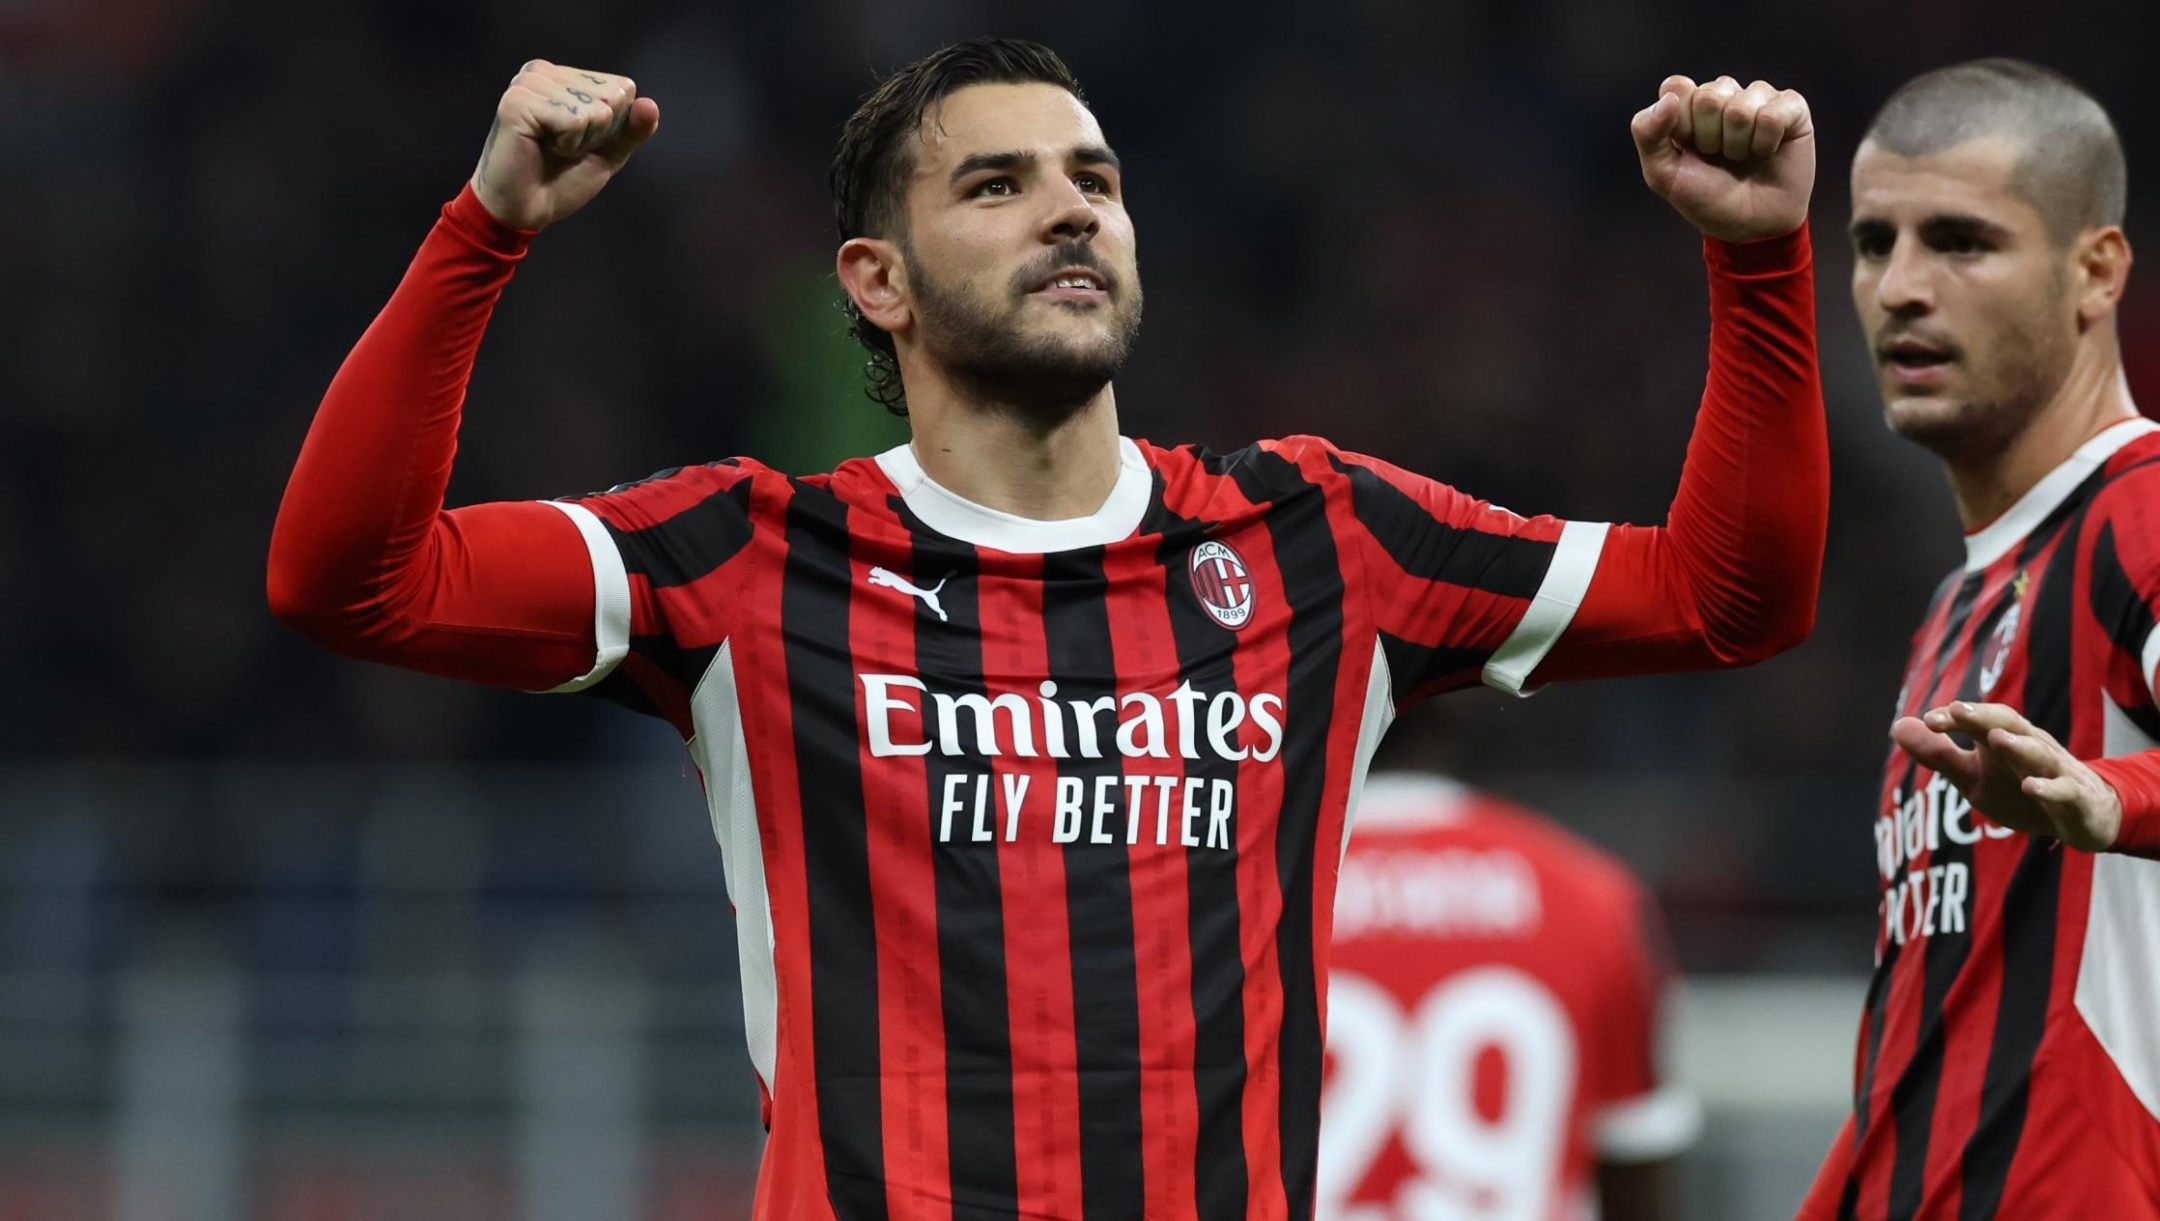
1002	459
2093	396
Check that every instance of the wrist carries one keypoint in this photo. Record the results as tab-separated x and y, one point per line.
470	218
2135	781
1774	255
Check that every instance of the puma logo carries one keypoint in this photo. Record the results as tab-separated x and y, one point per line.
880	576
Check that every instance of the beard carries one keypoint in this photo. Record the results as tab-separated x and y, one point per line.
1045	378
2020	376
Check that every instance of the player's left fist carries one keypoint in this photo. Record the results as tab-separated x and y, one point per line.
1737	161
2016	773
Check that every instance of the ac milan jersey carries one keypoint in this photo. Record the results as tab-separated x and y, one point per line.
1030	827
2008	1064
1494	1012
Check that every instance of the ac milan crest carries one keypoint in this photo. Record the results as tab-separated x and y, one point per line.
1221	583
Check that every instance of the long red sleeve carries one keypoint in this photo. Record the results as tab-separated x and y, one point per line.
2136	780
364	559
1732	576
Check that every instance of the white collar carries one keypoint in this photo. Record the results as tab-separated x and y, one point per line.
1994	540
955	516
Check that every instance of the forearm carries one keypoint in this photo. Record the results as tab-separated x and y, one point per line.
1732	576
363	558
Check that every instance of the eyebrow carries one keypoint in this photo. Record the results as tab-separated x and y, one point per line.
975	163
1939	223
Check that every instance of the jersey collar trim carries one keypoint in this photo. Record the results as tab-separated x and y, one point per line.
1994	540
955	516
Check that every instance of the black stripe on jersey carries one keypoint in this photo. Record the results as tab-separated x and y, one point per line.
1098	900
1912	1099
1418	670
690	544
981	1148
685	666
1876	1008
2029	902
2124	615
1312	579
1221	1182
1432	549
2115	600
836	854
1877	1011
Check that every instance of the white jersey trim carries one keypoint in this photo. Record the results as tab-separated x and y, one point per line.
955	516
2118	981
723	758
2149	657
611	596
1657	1125
1559	596
1994	540
1373	725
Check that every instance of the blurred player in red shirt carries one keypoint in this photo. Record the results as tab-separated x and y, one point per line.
1494	1020
2007	1064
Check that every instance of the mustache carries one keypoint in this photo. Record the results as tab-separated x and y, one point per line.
1920	334
1058	258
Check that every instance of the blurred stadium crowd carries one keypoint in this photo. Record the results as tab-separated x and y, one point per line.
1416	228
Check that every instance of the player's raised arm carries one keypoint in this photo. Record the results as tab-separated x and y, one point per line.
364	559
1732	576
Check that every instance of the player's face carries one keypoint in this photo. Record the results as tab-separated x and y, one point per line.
1964	298
1019	252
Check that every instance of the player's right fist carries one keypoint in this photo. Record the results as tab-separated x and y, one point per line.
560	134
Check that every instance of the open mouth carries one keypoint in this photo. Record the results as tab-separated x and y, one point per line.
1074	284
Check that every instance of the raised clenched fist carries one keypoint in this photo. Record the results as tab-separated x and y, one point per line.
1737	161
560	134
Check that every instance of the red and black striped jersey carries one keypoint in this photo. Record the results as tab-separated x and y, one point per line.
2008	1065
1031	828
1495	1013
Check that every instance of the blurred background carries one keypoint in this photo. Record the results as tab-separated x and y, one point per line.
283	936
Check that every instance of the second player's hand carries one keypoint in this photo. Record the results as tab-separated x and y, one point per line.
2016	773
560	134
1738	163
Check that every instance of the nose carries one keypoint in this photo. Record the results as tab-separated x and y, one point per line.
1072	218
1906	285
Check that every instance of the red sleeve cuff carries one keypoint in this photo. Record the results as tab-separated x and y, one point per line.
1769	256
2136	780
472	221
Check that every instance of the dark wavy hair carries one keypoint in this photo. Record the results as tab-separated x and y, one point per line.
876	157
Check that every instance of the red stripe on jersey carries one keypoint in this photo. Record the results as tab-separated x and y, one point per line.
791	1177
1038	940
911	1018
1262	665
1142	641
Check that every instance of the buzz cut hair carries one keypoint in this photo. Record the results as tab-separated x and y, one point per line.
2072	168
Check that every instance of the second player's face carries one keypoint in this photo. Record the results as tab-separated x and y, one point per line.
1962	295
1020	253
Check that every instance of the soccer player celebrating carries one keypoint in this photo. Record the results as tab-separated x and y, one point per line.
1495	1009
1030	747
2007	1062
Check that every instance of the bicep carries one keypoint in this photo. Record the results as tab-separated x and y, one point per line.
499	593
